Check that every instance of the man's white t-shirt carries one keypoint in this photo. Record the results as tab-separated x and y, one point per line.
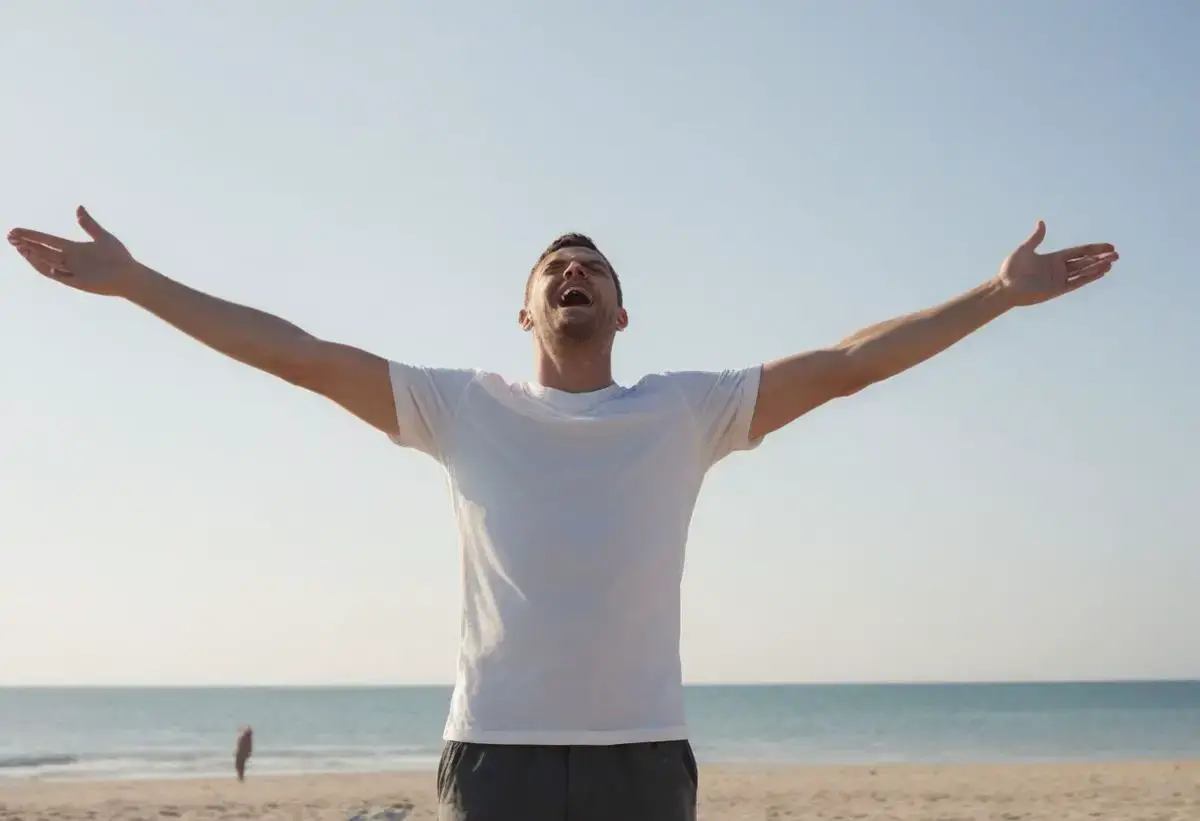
573	513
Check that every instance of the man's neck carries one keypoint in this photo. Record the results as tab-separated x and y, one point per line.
579	370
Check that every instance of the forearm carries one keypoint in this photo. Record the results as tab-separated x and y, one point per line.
245	334
891	347
793	386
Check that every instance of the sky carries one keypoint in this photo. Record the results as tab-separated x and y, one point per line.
766	177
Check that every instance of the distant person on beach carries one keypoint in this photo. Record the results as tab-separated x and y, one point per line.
573	496
245	748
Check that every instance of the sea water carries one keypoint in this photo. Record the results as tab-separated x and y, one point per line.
184	733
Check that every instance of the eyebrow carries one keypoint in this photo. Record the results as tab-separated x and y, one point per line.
590	262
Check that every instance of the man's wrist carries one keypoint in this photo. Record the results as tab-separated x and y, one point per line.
997	295
135	280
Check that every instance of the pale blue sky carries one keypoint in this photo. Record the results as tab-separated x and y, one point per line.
767	177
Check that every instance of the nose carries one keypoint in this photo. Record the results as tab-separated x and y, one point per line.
575	270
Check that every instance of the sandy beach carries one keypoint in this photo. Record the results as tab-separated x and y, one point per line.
1130	792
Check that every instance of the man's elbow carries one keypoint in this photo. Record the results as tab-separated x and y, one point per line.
845	374
855	369
850	384
313	364
300	366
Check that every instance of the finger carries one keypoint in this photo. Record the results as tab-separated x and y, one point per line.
43	267
1094	249
1035	239
1090	272
1085	279
35	251
26	235
89	224
1079	263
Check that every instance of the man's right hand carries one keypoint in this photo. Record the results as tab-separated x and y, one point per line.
102	266
358	381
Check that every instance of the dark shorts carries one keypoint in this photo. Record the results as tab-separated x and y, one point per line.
654	781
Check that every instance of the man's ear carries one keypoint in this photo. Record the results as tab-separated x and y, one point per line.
525	320
622	320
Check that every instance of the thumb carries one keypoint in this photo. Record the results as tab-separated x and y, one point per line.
89	225
1035	239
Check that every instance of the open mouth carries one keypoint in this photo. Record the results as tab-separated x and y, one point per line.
574	298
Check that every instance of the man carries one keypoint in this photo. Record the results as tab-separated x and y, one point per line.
573	496
245	748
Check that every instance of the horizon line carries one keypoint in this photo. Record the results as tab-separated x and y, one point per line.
692	684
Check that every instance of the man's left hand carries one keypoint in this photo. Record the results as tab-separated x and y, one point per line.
1028	277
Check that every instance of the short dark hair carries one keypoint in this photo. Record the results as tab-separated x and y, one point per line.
574	240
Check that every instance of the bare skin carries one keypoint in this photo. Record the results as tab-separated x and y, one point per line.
354	379
795	385
572	343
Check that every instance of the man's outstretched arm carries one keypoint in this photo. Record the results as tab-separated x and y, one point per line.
793	386
355	379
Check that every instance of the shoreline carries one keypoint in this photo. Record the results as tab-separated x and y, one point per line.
759	765
1128	790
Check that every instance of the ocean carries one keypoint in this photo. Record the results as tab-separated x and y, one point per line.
135	733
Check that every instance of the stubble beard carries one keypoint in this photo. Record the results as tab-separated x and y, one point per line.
576	331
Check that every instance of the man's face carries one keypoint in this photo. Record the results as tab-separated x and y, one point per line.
572	295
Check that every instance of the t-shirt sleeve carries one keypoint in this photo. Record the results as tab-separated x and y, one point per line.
722	405
426	402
